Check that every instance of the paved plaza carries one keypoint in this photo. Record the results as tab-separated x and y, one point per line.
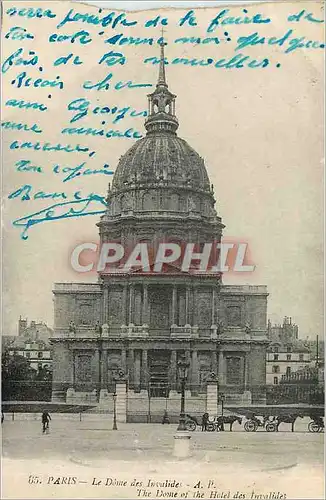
261	461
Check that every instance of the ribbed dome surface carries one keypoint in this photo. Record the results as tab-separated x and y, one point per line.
161	156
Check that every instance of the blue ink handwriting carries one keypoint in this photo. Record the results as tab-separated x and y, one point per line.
30	13
80	170
293	43
237	62
82	37
119	39
127	134
92	205
23	80
65	59
221	20
21	104
189	19
18	33
112	58
105	85
197	40
112	19
304	15
82	106
47	146
21	126
158	20
15	60
25	166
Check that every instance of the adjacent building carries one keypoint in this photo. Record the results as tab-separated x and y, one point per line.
138	325
32	342
286	353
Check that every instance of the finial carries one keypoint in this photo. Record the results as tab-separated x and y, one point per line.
161	75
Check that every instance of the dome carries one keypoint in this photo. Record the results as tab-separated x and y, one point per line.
161	157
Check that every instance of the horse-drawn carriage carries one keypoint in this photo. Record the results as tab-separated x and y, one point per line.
269	423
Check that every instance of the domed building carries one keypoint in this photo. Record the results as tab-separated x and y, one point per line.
135	325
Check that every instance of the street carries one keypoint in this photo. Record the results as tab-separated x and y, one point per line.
90	452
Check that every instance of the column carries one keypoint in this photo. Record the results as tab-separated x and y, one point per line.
174	304
221	375
173	380
246	373
195	322
189	378
124	361
96	367
145	305
194	373
131	368
124	305
187	305
131	303
137	372
213	306
214	362
144	370
105	317
104	369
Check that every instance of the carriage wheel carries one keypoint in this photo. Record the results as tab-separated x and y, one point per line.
270	427
313	427
210	427
250	426
190	426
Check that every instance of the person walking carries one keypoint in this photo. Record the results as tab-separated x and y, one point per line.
165	419
204	422
45	422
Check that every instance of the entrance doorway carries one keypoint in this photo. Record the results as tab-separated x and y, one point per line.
159	365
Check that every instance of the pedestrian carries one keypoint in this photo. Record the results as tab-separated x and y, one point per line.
204	422
2	417
165	419
45	422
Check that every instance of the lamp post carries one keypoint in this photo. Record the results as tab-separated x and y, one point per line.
183	366
222	399
115	428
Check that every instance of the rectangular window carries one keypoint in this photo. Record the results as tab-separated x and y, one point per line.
300	357
288	349
275	357
276	369
288	370
275	380
233	371
40	354
288	357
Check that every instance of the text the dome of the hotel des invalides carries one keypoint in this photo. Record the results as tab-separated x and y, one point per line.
135	326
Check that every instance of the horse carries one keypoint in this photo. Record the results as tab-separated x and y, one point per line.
287	419
227	420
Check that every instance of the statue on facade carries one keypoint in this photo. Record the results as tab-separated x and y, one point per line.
220	327
119	375
212	377
247	327
98	328
72	327
105	330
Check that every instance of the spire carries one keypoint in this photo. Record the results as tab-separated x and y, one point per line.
161	103
161	74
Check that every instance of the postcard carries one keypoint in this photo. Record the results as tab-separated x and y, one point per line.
162	250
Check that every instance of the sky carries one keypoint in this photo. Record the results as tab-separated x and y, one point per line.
259	131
